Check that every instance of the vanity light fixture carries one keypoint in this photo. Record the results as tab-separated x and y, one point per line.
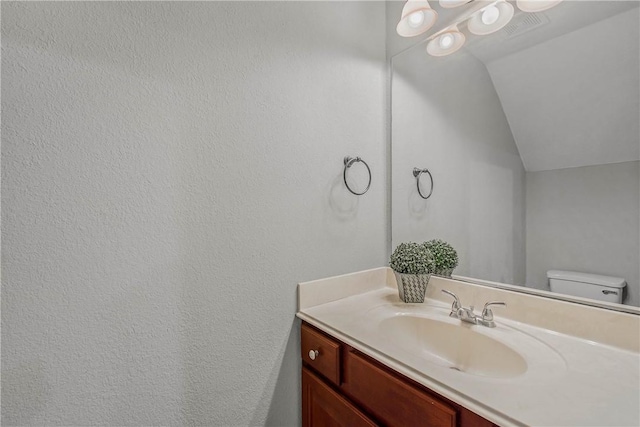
491	19
445	42
481	21
536	5
417	17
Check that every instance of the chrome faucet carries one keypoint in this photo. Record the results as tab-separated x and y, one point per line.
467	314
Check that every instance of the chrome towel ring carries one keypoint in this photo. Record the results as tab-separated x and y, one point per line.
417	172
348	162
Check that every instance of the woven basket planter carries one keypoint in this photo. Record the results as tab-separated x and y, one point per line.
412	287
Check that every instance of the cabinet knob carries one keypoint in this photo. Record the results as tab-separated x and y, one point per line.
313	354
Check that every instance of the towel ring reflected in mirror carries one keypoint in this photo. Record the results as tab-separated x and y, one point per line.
348	162
417	173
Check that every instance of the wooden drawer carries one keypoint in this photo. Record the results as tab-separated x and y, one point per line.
393	401
327	360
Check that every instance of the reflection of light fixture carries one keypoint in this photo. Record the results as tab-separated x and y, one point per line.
488	17
417	17
536	5
446	42
448	4
491	19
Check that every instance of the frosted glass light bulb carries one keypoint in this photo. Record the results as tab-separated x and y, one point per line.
490	15
416	19
446	41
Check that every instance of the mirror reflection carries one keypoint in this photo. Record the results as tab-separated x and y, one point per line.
532	137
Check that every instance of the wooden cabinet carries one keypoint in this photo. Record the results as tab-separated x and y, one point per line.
343	387
322	406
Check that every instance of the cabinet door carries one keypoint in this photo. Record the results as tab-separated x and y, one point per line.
392	400
323	407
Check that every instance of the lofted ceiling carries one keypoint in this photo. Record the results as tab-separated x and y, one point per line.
570	85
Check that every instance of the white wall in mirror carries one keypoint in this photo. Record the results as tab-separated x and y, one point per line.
593	208
534	145
447	117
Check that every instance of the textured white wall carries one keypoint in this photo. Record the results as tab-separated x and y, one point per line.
585	219
448	118
170	171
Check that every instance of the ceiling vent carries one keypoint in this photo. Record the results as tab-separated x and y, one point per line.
523	23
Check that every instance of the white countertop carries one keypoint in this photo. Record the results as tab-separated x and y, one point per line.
569	381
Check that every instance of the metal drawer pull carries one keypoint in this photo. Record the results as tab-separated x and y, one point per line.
313	354
606	292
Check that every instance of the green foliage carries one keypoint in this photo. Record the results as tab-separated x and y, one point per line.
412	258
444	256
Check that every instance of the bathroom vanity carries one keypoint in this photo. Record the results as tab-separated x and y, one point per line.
335	374
369	359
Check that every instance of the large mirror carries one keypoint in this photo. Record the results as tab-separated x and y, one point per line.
531	135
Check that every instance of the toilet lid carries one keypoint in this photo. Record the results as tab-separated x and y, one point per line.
594	279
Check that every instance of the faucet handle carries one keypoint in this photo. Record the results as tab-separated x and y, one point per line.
456	303
487	314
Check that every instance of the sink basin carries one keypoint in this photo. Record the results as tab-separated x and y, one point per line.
455	345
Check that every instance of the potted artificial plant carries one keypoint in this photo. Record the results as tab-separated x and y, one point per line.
445	257
412	264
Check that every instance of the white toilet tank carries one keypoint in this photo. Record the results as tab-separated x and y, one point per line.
585	285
